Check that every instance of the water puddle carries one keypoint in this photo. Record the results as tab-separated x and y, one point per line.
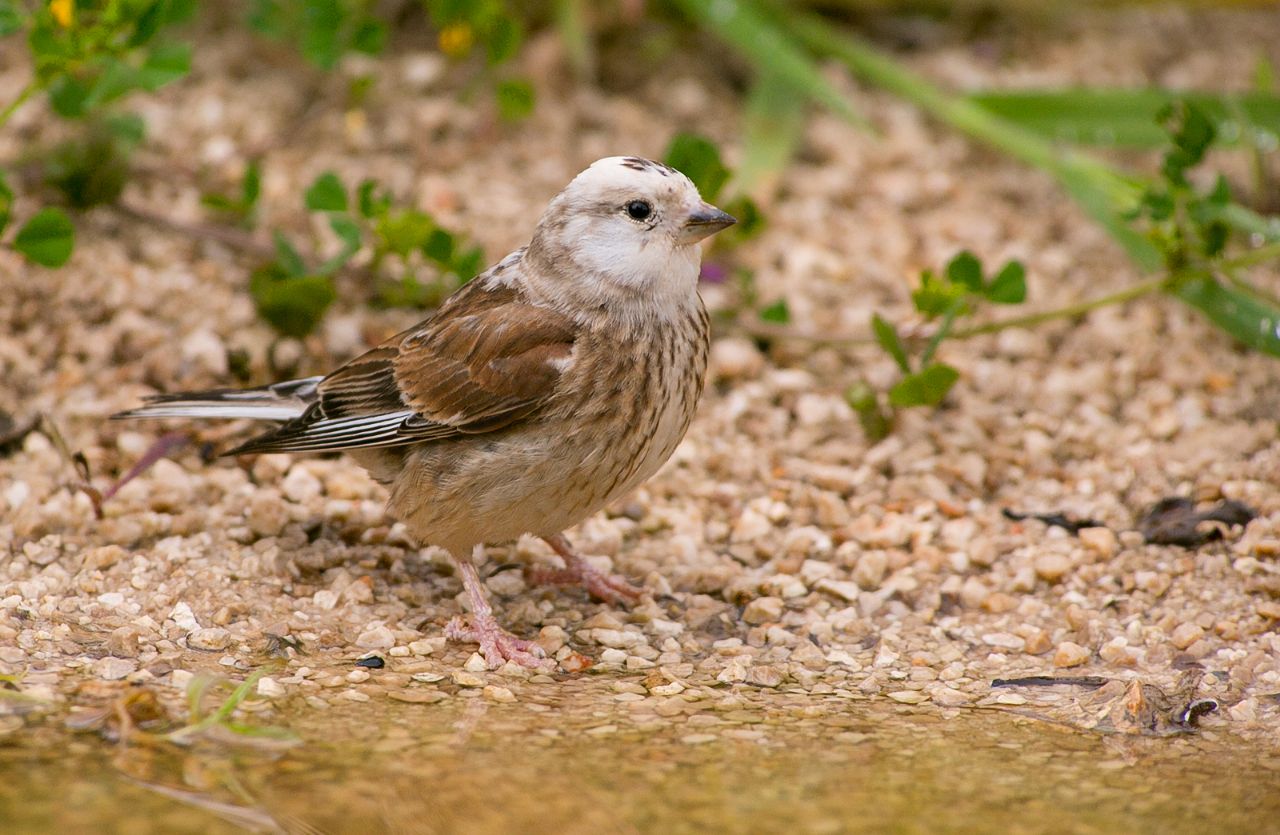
469	766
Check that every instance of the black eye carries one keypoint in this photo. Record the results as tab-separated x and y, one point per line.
638	210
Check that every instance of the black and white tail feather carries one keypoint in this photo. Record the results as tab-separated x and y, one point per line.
295	403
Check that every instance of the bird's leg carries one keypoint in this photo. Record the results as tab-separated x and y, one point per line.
578	572
497	645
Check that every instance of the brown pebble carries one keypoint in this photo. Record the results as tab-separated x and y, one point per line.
1070	654
1186	634
417	697
1101	541
1052	567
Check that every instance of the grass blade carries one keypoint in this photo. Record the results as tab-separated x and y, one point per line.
772	124
766	43
1246	316
1127	117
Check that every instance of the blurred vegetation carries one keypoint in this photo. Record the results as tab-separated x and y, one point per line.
1200	237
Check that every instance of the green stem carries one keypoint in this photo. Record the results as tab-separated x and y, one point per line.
944	330
1069	312
27	92
1253	257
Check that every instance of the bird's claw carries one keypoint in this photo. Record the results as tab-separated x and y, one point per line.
610	588
497	645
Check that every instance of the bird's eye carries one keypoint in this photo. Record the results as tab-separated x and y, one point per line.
638	210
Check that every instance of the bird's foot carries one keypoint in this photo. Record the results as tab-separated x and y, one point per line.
497	645
611	588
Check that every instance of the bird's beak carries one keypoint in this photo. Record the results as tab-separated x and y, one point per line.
704	221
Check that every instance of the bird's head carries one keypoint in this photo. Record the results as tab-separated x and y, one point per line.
632	223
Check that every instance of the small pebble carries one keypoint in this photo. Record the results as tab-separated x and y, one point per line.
269	687
418	696
376	636
496	693
1186	634
762	610
1101	541
1069	654
908	697
212	639
1052	567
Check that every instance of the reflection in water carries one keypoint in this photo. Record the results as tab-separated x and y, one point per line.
476	768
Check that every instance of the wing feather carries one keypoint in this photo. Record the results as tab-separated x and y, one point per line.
486	360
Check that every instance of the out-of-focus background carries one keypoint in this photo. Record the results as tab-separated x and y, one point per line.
988	447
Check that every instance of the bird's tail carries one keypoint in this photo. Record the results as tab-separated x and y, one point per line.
280	401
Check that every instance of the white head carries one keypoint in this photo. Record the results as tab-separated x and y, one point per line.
631	225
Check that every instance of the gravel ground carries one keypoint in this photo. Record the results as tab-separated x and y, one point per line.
784	553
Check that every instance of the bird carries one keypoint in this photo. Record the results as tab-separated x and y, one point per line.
551	384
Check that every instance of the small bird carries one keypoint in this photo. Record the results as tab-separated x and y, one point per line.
556	381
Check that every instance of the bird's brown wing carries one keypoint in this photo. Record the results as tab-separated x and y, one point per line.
488	358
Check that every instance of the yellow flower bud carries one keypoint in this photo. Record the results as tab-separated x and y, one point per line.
62	11
456	40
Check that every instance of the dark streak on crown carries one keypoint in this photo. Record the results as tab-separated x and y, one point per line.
641	164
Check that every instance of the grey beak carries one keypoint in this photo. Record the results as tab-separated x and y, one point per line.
704	221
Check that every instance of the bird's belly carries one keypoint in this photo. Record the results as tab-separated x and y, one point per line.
470	491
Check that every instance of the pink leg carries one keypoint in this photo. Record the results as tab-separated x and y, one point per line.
579	572
497	645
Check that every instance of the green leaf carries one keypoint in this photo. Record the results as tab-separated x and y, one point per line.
369	202
346	230
291	305
502	41
6	202
698	159
127	127
116	79
887	336
935	295
321	29
778	313
164	64
92	170
864	401
928	387
1009	286
1264	75
147	24
326	194
287	256
67	97
515	99
965	270
1246	316
439	247
750	220
349	233
47	238
468	265
10	20
251	185
404	231
370	36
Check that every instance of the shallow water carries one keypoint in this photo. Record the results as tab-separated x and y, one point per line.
480	768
